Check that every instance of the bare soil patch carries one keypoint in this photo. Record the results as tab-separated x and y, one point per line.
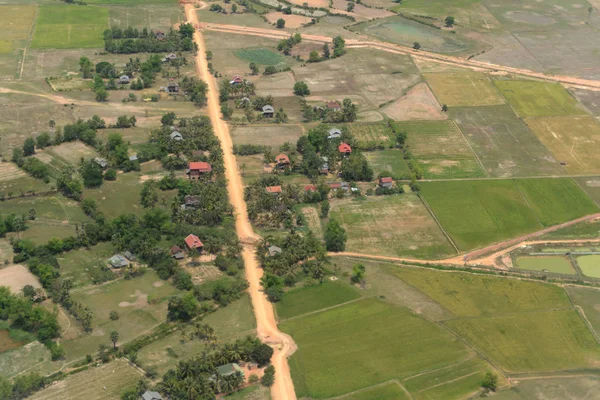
202	273
291	21
9	171
312	3
140	302
418	103
16	277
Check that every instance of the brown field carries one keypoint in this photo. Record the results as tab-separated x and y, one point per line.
312	3
202	273
278	85
418	103
268	135
9	171
361	11
15	277
291	21
574	140
72	152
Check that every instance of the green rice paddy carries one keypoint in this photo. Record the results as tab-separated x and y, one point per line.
559	265
260	56
589	265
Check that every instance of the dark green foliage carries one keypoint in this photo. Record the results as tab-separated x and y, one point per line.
43	140
195	89
356	168
182	308
182	280
280	23
91	173
268	379
339	46
490	381
335	236
301	89
115	40
110	174
29	147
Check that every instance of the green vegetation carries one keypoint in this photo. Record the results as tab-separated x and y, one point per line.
69	27
260	56
589	301
458	89
589	265
538	99
554	201
559	265
84	266
329	363
389	391
476	213
389	161
309	299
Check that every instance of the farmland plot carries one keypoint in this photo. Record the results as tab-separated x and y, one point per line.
463	89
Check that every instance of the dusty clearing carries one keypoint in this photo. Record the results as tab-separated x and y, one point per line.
291	21
418	103
16	277
9	171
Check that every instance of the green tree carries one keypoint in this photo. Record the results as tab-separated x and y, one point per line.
268	379
43	140
314	57
270	70
280	23
182	308
233	8
449	22
339	46
358	273
29	147
110	175
114	337
91	173
301	89
325	208
416	45
253	68
168	119
86	67
149	195
490	381
350	7
101	95
52	124
186	30
335	236
444	108
326	52
114	315
32	214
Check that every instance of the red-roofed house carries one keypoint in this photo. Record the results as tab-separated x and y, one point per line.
193	242
333	105
282	161
236	80
310	188
197	168
273	189
386	182
345	148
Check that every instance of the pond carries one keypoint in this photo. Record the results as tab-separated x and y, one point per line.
559	265
589	265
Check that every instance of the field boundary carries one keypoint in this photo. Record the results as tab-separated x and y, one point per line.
396	381
471	148
438	223
326	308
514	182
29	40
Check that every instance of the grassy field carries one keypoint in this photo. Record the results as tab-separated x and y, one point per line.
146	14
68	27
554	388
20	359
390	161
273	135
589	265
256	392
260	56
389	391
554	201
559	265
391	225
572	140
19	19
441	150
78	264
104	382
503	142
463	89
393	343
309	299
542	341
589	301
372	133
538	99
313	220
479	296
475	213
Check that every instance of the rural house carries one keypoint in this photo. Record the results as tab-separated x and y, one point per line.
274	250
193	242
339	186
170	57
101	162
197	168
268	111
333	105
176	136
282	161
273	189
172	87
177	253
128	255
123	79
236	80
325	166
310	188
118	261
133	158
150	395
345	148
160	35
229	369
334	133
386	182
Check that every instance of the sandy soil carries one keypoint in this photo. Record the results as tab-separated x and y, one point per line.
314	3
418	103
16	277
291	21
267	329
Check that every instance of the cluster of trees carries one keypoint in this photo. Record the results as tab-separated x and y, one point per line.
347	112
286	45
22	386
195	89
416	172
199	378
12	223
314	56
131	40
272	210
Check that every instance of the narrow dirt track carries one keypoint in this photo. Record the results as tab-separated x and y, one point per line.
267	330
421	54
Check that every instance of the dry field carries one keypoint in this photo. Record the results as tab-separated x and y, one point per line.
16	277
463	89
418	103
72	152
291	21
9	171
268	135
278	85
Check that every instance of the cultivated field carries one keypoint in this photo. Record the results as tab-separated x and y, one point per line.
441	150
65	27
145	14
267	135
554	201
17	21
475	213
15	277
418	104
390	161
388	391
391	225
589	301
503	143
574	141
372	133
589	265
393	343
23	358
552	388
311	214
538	99
313	298
104	382
463	89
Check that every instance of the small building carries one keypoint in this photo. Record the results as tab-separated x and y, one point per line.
345	148
386	182
177	253
273	189
101	162
310	188
133	158
282	161
236	80
176	136
172	87
123	80
191	201
193	242
339	186
229	369
129	255
170	57
160	35
118	261
274	250
334	133
325	166
333	105
198	168
150	395
268	111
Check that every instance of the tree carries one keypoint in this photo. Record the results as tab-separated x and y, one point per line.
326	52
32	214
449	22
226	111
490	381
325	208
233	8
186	30
168	119
182	308
43	140
416	45
339	45
101	95
262	354
91	173
444	108
110	174
29	147
51	124
350	7
114	337
335	236
280	23
114	315
86	67
358	273
268	379
253	68
149	195
301	89
314	57
270	70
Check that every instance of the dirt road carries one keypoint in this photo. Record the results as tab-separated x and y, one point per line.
283	389
399	49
